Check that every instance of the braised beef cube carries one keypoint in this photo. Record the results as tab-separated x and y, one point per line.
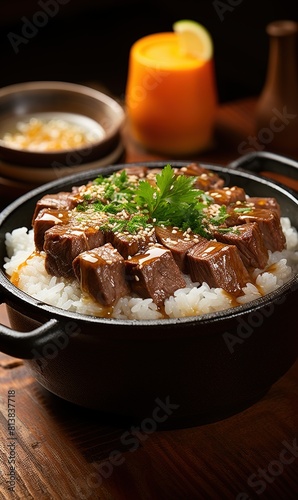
270	227
126	244
268	203
75	198
59	201
193	169
129	244
218	265
234	211
62	244
146	239
139	171
226	195
95	237
179	242
249	241
154	274
253	203
101	273
46	219
206	179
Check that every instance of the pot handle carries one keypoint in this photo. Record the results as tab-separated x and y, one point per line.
38	343
279	168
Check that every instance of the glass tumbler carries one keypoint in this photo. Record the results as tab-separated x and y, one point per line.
171	97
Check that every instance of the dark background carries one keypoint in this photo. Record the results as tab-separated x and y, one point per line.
89	40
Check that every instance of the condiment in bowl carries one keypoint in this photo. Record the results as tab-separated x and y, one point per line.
45	123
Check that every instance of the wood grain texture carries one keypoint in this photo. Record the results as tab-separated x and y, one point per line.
63	451
66	452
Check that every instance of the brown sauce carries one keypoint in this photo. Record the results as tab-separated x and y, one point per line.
15	277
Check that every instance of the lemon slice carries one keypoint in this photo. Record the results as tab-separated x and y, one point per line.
194	39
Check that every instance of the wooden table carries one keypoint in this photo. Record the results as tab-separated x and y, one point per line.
61	451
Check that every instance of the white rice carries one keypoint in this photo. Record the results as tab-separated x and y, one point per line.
193	300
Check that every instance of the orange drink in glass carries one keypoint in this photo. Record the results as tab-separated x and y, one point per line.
171	96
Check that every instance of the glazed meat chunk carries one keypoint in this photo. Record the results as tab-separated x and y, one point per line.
218	265
249	241
47	218
226	195
62	244
130	244
59	201
139	171
268	222
101	273
178	242
266	203
154	274
256	202
125	244
205	179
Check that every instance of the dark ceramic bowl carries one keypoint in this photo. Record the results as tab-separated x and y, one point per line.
198	369
83	106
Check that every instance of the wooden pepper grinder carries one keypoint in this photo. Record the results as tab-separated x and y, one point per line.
277	107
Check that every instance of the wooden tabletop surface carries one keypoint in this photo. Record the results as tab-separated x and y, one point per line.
61	451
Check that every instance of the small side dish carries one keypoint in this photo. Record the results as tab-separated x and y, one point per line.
152	243
49	124
52	132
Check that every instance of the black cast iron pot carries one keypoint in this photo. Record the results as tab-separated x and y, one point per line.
195	369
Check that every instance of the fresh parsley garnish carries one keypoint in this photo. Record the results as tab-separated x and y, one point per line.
170	199
82	207
173	201
131	226
137	223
